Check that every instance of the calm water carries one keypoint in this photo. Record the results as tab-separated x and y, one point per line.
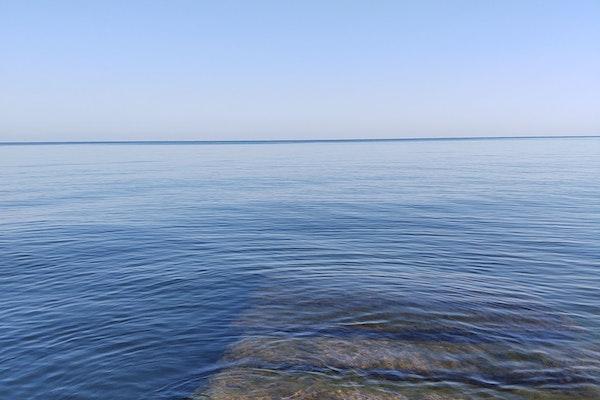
399	270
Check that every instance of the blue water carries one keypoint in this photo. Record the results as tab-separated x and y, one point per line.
363	270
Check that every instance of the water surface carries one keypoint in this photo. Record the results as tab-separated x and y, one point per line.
362	270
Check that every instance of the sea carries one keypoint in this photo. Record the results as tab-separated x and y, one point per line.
362	270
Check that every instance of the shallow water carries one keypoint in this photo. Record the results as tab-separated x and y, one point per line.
394	270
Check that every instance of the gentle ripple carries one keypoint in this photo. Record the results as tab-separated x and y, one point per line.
396	270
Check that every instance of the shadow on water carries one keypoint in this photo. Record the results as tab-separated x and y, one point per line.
331	344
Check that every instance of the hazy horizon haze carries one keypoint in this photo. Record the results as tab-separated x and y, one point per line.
186	70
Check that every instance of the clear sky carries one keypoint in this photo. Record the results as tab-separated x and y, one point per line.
172	69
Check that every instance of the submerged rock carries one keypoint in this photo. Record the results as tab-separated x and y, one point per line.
386	316
258	384
490	364
379	369
327	346
331	353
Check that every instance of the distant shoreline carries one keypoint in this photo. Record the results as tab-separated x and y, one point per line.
285	141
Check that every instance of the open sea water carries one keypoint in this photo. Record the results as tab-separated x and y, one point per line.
429	270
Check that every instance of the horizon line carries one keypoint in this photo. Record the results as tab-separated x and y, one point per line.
284	141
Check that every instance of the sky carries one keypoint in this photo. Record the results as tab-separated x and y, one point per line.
238	70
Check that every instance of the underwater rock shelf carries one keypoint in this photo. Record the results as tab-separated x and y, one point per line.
315	345
321	367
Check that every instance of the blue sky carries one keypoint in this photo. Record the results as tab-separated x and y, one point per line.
126	70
